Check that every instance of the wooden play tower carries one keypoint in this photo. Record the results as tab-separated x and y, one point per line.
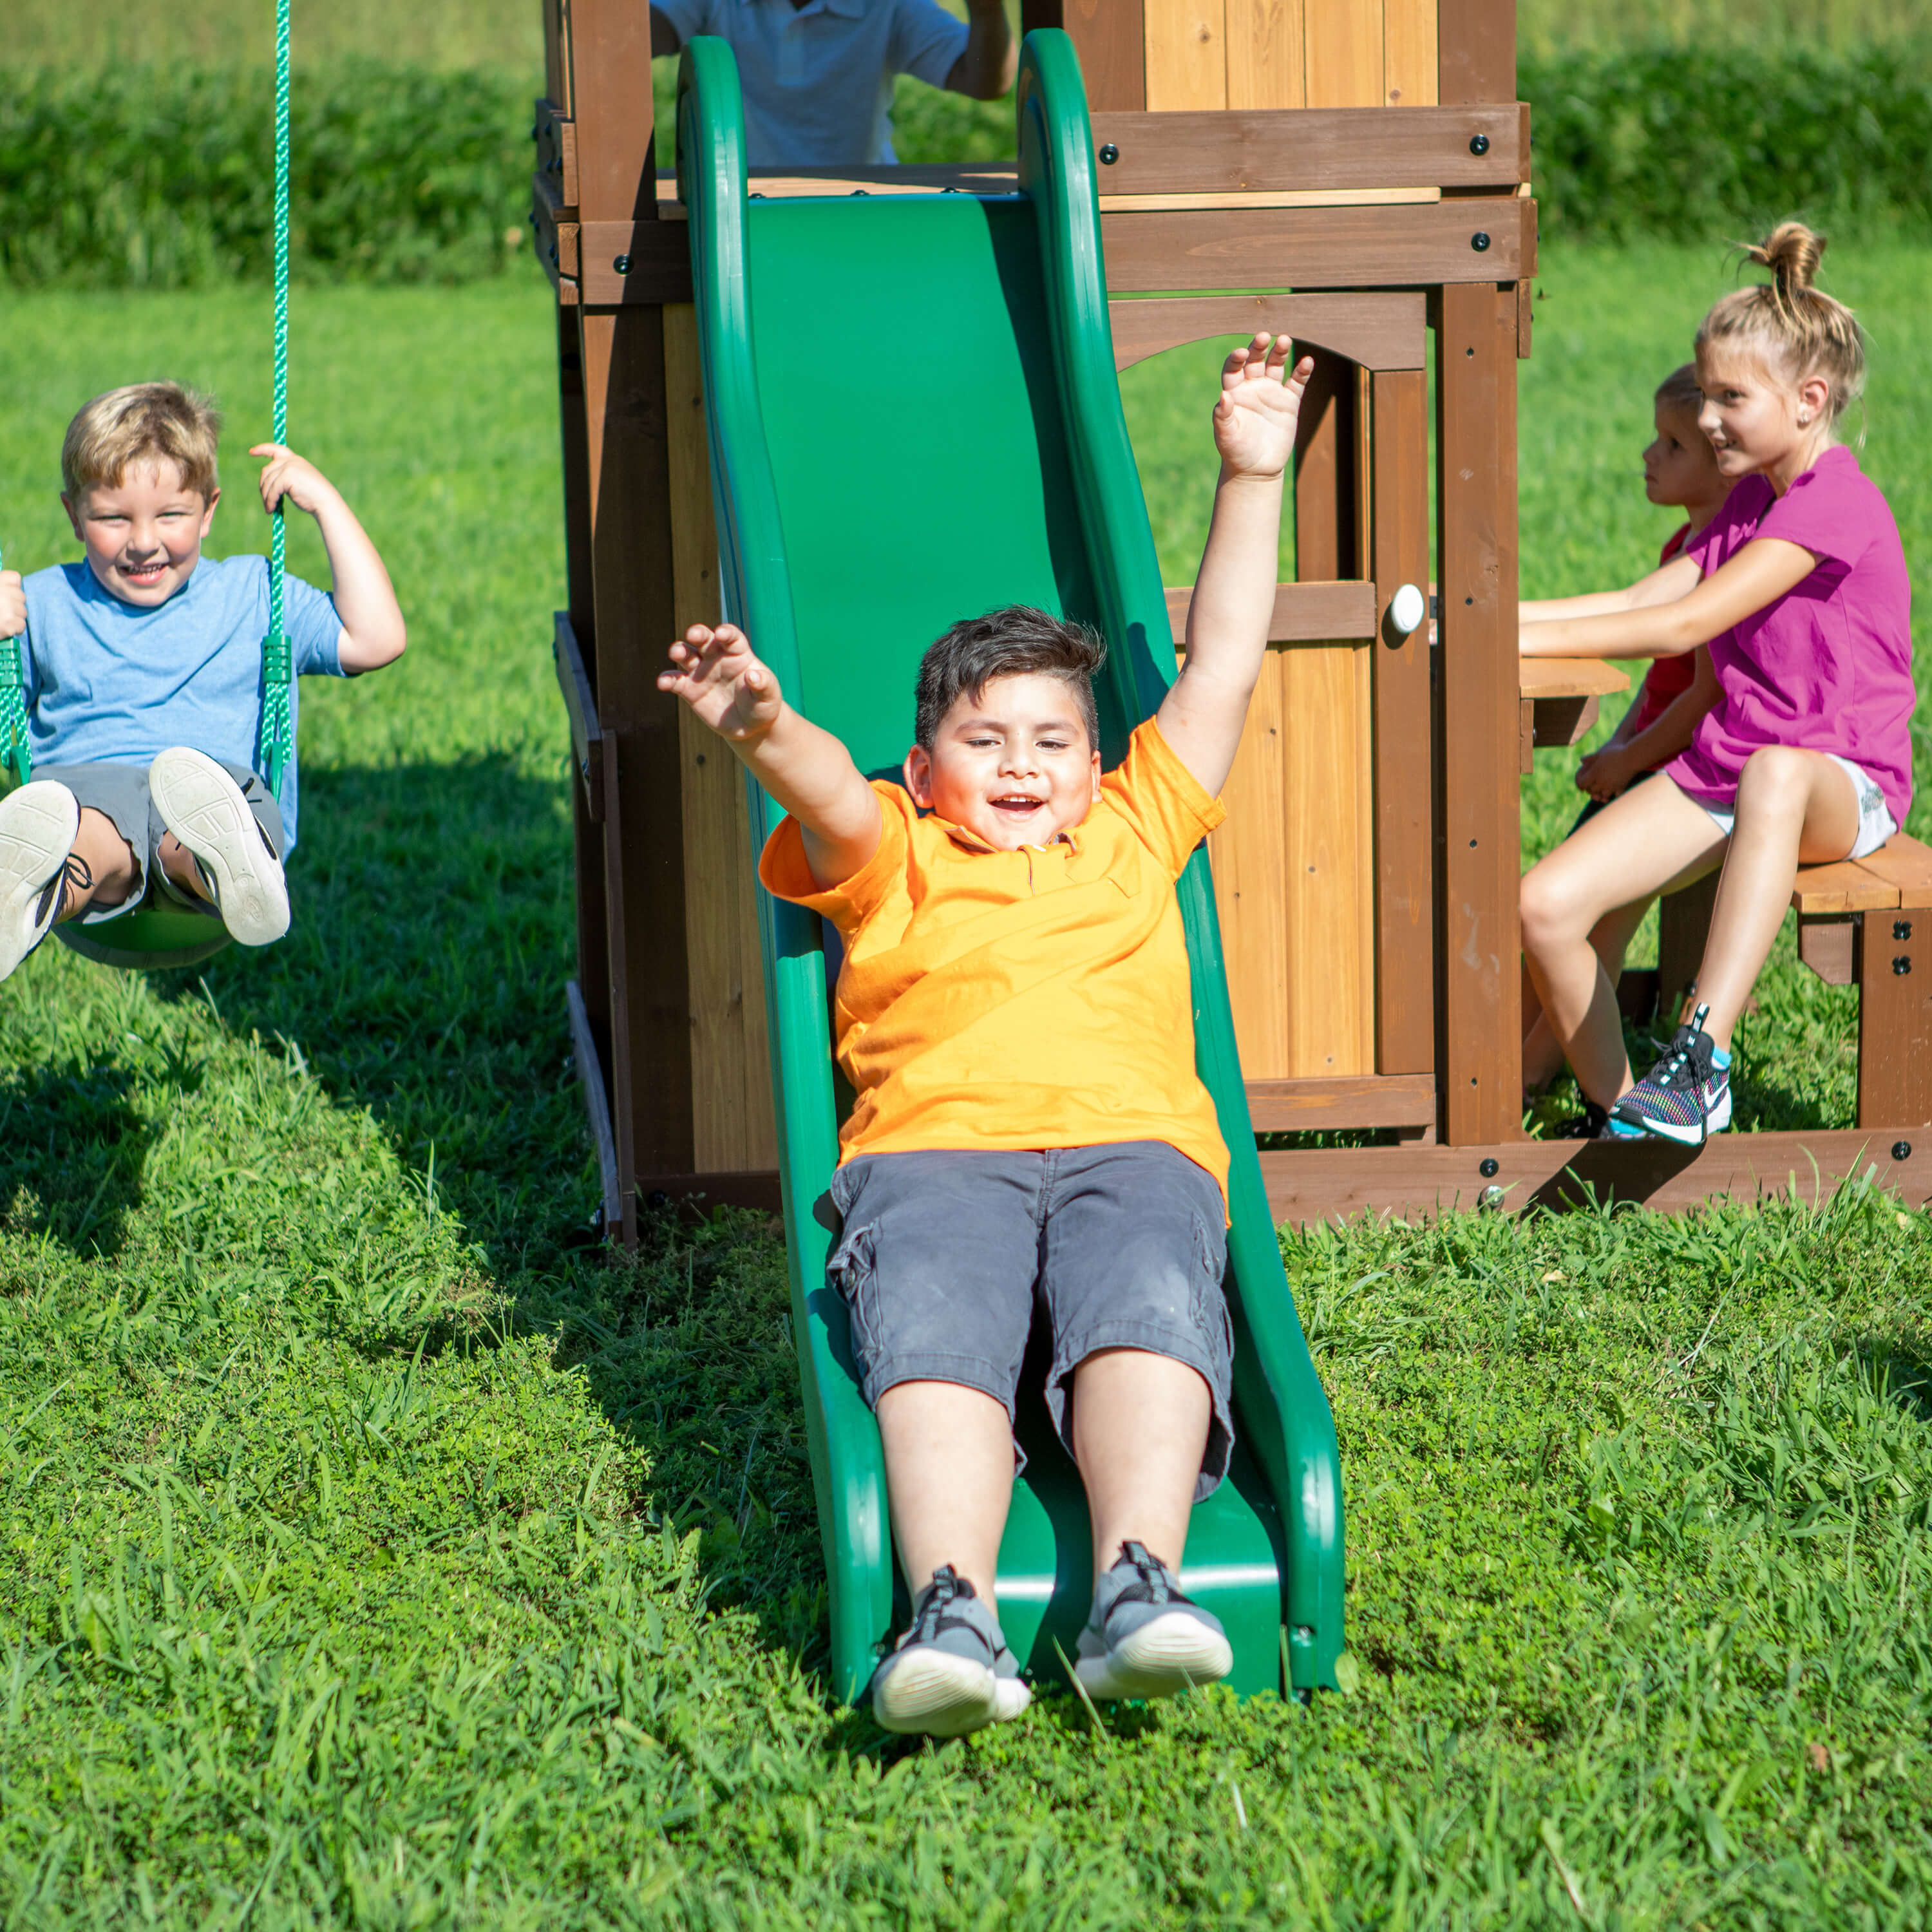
1355	173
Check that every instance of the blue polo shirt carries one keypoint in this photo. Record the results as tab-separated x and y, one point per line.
817	79
110	683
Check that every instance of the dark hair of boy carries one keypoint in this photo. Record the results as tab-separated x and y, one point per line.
1016	642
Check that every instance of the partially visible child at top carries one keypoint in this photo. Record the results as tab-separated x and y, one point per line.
143	670
1680	471
1013	1017
1798	587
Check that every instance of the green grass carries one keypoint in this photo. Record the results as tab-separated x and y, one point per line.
379	1552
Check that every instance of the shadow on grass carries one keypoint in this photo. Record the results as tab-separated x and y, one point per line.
72	1148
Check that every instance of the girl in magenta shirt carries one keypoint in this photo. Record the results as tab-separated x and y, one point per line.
1798	587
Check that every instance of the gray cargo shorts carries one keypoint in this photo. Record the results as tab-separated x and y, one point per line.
120	792
943	1259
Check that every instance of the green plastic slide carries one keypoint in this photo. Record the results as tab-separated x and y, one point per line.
913	416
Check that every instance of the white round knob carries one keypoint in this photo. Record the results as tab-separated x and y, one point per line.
1407	609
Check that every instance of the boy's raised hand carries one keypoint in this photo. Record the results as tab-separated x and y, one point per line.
13	603
715	673
294	477
1259	406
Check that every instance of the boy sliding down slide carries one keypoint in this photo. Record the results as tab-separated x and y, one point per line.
143	672
1012	1015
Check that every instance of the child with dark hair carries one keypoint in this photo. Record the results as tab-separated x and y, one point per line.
1028	1126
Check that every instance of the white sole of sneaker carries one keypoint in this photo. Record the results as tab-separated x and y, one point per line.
37	826
933	1694
1163	1657
203	807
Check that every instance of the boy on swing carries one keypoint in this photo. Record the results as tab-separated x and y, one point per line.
142	670
1011	1014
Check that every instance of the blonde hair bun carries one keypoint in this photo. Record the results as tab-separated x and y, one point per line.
1792	252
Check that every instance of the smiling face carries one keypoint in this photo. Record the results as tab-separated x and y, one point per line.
144	534
1759	420
1680	469
1012	765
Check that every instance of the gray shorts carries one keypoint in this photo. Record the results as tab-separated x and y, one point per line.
943	1259
120	792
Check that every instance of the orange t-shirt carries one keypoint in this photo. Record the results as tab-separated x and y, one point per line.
1039	998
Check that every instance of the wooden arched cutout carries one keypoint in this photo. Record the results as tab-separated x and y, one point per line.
1376	330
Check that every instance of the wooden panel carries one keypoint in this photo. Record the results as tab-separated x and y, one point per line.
1403	737
1362	668
1569	677
1327	537
1683	929
1476	50
1555	721
1849	886
1248	856
1345	53
1364	1100
1325	822
1904	862
731	1067
1895	1020
1332	147
1479	1032
1389	247
1303	612
1186	54
1829	947
610	102
579	705
1265	54
1418	1183
1408	52
1110	37
1378	332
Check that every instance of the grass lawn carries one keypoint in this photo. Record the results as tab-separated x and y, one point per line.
378	1551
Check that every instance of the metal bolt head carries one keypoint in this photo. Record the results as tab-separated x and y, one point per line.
1489	1168
1479	241
1479	144
622	264
1490	1199
1901	929
1901	965
1109	154
1901	1149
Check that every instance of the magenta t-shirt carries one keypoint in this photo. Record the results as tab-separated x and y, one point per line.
1828	667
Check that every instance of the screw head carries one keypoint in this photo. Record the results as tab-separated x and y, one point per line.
1901	929
1489	1169
1901	1149
622	263
1479	144
658	1199
1491	1198
1479	242
1902	965
1109	154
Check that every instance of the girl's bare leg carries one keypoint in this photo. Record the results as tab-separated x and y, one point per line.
1609	940
1650	840
1794	808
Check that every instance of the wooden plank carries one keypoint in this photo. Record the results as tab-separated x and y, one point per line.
556	136
579	704
759	1189
1248	856
1904	862
1683	931
1325	823
1320	147
1402	784
1186	54
610	102
1479	1033
1829	946
1420	1183
1363	726
1540	678
618	262
796	184
731	1067
557	53
1266	54
1327	536
1385	331
1357	1101
575	432
596	1107
1849	886
1409	53
1399	246
1324	197
1345	53
1110	37
1895	1017
1476	50
1555	721
1303	612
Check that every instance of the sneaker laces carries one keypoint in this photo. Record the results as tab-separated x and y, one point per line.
1683	1052
75	875
1151	1584
947	1588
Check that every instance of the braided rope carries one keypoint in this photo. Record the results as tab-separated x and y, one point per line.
15	754
278	741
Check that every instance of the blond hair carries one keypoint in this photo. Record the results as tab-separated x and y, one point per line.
1810	333
144	422
1679	391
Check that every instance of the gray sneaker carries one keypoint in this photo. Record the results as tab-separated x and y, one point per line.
38	822
952	1672
1144	1638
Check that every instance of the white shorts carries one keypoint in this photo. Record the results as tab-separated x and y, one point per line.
1876	823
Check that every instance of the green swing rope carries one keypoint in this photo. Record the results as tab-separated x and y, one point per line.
277	739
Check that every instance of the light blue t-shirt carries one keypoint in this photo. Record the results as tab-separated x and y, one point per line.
115	683
817	79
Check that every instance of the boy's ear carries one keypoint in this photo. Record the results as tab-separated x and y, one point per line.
918	769
1096	778
72	514
207	514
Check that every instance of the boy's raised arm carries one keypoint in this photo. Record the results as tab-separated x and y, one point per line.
1202	714
807	770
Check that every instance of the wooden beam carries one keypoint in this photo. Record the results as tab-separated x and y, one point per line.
610	102
579	704
1895	1016
1478	1045
1315	147
1110	37
1475	50
1377	331
1364	1100
1479	239
1420	1183
1304	614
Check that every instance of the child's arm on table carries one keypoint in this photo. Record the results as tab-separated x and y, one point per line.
1610	769
1201	716
1764	570
807	770
1663	585
373	631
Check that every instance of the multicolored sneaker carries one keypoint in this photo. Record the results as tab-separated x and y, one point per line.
1686	1097
952	1672
1143	1639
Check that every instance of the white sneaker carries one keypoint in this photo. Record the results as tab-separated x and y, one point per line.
203	807
38	825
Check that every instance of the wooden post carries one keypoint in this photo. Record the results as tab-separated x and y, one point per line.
1895	1019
